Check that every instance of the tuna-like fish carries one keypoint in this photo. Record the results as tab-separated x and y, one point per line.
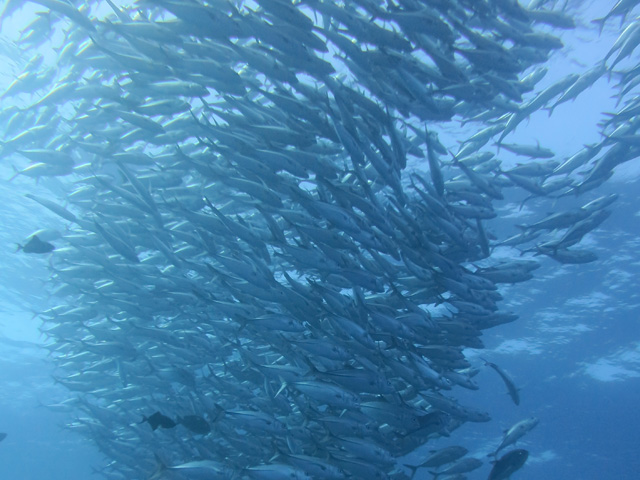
508	381
516	432
508	464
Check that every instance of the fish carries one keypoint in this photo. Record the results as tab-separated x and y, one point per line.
195	469
2	436
440	457
158	420
194	423
508	464
533	151
464	465
621	8
251	234
35	245
557	220
275	471
512	390
516	432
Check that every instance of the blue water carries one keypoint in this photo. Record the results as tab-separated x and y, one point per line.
575	351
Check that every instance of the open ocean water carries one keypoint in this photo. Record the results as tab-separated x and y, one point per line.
574	351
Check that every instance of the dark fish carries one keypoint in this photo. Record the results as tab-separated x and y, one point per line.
508	464
440	457
35	245
3	436
195	423
464	465
511	386
158	420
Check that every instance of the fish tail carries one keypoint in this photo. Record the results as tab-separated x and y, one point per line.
600	22
17	172
282	387
20	247
523	202
219	413
160	468
413	468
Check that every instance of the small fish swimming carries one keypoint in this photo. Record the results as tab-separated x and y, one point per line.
3	436
35	245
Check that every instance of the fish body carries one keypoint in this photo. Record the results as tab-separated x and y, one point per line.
463	465
158	420
276	471
509	464
35	245
442	457
195	424
508	381
516	432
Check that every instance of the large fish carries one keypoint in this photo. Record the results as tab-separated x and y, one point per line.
516	432
508	464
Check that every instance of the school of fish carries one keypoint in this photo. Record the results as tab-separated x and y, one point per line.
272	262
